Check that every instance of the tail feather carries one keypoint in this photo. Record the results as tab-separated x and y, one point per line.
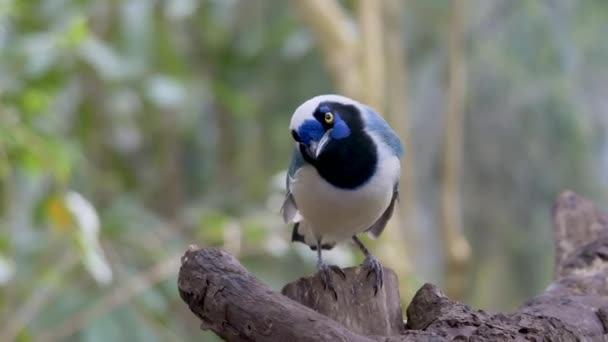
295	234
298	236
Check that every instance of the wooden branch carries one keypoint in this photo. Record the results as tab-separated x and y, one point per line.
238	307
576	222
356	307
235	305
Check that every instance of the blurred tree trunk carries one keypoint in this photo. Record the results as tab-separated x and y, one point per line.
370	18
355	59
372	92
170	192
337	41
457	250
254	159
226	153
399	117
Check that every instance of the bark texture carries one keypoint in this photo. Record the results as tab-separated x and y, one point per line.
357	308
574	307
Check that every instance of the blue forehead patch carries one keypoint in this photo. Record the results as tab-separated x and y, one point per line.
310	130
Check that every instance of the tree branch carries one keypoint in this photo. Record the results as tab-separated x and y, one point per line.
576	222
238	307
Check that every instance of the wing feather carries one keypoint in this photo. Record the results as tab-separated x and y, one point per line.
289	210
376	124
378	227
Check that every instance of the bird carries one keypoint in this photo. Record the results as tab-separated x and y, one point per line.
343	179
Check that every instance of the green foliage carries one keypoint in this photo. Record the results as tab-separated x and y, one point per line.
211	228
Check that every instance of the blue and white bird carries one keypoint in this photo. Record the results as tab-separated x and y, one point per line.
343	179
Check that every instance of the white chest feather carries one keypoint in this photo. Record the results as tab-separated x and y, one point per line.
333	214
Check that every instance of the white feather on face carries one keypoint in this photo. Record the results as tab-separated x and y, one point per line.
306	110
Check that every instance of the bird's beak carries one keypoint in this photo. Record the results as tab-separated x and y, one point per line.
316	147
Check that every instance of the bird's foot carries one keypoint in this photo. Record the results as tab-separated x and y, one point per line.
374	267
325	271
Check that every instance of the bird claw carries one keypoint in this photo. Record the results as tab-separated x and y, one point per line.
374	267
325	272
338	270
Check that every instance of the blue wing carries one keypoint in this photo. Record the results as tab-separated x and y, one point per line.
289	208
296	162
376	124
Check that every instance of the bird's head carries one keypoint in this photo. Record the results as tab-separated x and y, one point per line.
322	121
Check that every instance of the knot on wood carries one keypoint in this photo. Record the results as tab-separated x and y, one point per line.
588	260
576	222
426	306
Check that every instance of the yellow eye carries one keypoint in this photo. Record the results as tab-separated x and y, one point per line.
329	117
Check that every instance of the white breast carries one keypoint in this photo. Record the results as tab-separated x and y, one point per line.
332	214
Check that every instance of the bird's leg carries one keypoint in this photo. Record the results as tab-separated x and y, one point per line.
372	264
325	272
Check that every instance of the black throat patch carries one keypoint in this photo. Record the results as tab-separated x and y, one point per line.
349	162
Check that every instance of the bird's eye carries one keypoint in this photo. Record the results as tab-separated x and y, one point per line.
329	117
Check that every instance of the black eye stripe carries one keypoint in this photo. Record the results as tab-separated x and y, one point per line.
320	113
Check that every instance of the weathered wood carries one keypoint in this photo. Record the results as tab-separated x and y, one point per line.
235	305
574	307
576	222
357	308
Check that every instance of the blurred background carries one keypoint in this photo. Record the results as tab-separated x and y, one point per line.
132	129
